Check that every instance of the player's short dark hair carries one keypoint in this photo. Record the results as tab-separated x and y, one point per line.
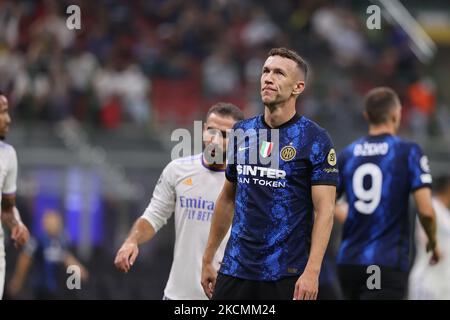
291	54
441	184
226	109
379	102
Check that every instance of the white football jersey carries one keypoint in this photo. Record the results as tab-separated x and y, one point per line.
190	189
428	282
8	178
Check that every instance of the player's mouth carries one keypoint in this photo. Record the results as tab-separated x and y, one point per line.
265	89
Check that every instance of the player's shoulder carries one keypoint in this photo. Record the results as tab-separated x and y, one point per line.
310	125
185	161
407	145
7	148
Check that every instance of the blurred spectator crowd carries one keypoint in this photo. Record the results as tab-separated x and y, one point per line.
165	61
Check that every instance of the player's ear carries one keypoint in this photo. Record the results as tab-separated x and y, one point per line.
298	88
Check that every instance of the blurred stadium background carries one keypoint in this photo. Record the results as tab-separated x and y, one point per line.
93	108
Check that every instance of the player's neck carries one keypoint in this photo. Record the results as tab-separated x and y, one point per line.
381	129
275	117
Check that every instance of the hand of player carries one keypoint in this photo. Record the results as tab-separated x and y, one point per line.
208	279
435	253
20	235
307	286
126	256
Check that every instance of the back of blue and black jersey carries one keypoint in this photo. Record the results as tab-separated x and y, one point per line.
377	174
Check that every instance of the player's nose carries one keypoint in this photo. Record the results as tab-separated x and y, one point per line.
268	80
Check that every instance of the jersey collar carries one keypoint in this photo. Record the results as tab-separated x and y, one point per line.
291	121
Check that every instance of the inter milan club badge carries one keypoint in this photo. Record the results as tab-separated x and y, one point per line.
288	153
266	149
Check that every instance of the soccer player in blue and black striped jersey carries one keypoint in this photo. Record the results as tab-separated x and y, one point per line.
281	213
377	174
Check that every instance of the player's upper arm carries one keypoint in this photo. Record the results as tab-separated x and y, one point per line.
341	211
10	183
162	204
324	198
228	191
422	197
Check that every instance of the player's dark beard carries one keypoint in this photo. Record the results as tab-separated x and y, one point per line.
210	153
2	138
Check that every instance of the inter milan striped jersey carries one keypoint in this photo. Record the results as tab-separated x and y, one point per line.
272	225
377	174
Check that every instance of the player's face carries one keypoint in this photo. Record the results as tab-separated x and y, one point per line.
5	119
280	80
52	223
215	138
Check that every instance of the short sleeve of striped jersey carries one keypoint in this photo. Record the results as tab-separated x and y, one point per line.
419	168
324	161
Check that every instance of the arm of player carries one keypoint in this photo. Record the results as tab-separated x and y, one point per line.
9	219
23	234
160	209
20	273
324	197
141	232
341	211
427	218
220	224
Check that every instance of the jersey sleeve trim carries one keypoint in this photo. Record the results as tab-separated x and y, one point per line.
426	185
324	182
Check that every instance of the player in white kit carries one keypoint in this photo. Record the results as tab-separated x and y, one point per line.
189	187
430	282
8	175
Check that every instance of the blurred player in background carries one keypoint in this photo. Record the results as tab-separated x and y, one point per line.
189	187
50	256
433	281
277	243
377	173
8	178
